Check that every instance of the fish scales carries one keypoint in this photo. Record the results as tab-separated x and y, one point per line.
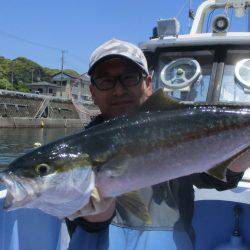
126	154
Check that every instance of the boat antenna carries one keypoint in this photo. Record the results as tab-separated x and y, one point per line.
190	15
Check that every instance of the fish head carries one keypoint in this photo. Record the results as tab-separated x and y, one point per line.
46	177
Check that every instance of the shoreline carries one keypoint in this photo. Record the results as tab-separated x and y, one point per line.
26	122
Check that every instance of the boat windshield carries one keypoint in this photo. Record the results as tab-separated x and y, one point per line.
235	86
185	75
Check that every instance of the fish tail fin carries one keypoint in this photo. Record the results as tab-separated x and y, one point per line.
134	204
219	171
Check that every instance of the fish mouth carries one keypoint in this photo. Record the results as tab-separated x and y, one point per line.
17	195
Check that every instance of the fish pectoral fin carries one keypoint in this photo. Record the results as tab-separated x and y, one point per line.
134	204
219	171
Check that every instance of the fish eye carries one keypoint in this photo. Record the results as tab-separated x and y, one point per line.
43	169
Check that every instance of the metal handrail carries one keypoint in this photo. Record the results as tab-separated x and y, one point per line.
42	108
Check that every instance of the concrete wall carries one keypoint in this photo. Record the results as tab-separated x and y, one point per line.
19	109
25	122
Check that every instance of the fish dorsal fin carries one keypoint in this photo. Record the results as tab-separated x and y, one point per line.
134	204
219	171
159	101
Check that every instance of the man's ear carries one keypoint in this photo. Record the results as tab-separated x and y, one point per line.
92	91
149	87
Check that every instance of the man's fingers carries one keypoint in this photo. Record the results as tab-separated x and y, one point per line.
97	210
105	213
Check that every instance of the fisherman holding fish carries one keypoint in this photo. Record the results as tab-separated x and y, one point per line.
135	164
121	85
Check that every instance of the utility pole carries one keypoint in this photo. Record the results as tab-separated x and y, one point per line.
32	72
39	75
62	64
12	78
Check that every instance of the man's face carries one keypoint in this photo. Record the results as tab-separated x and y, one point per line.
119	100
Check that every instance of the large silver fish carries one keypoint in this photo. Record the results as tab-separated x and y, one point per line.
126	154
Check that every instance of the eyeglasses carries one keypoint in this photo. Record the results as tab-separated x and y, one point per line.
126	80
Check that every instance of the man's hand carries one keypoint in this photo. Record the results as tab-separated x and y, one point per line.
97	210
240	163
103	216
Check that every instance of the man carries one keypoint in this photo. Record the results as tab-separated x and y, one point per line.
120	84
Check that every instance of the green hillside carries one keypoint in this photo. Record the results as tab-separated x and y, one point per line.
19	71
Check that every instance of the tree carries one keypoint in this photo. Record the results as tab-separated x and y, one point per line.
5	84
20	86
21	71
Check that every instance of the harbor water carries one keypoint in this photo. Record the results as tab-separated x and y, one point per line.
15	142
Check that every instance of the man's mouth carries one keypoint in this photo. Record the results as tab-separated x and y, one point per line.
121	103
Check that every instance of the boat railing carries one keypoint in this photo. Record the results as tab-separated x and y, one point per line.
238	5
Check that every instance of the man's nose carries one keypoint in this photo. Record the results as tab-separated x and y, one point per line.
119	89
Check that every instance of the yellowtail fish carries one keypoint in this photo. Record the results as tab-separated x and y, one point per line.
127	153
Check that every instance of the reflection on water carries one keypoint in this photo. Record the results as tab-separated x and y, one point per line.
17	141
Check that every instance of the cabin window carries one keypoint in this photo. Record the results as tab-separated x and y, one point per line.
235	81
181	67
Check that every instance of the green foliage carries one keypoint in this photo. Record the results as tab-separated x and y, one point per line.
5	84
20	86
22	71
52	72
71	72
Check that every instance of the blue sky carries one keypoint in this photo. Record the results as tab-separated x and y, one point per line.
79	26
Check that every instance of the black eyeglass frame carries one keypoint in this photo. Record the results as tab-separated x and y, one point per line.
142	75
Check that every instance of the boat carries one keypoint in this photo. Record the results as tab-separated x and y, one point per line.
211	65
